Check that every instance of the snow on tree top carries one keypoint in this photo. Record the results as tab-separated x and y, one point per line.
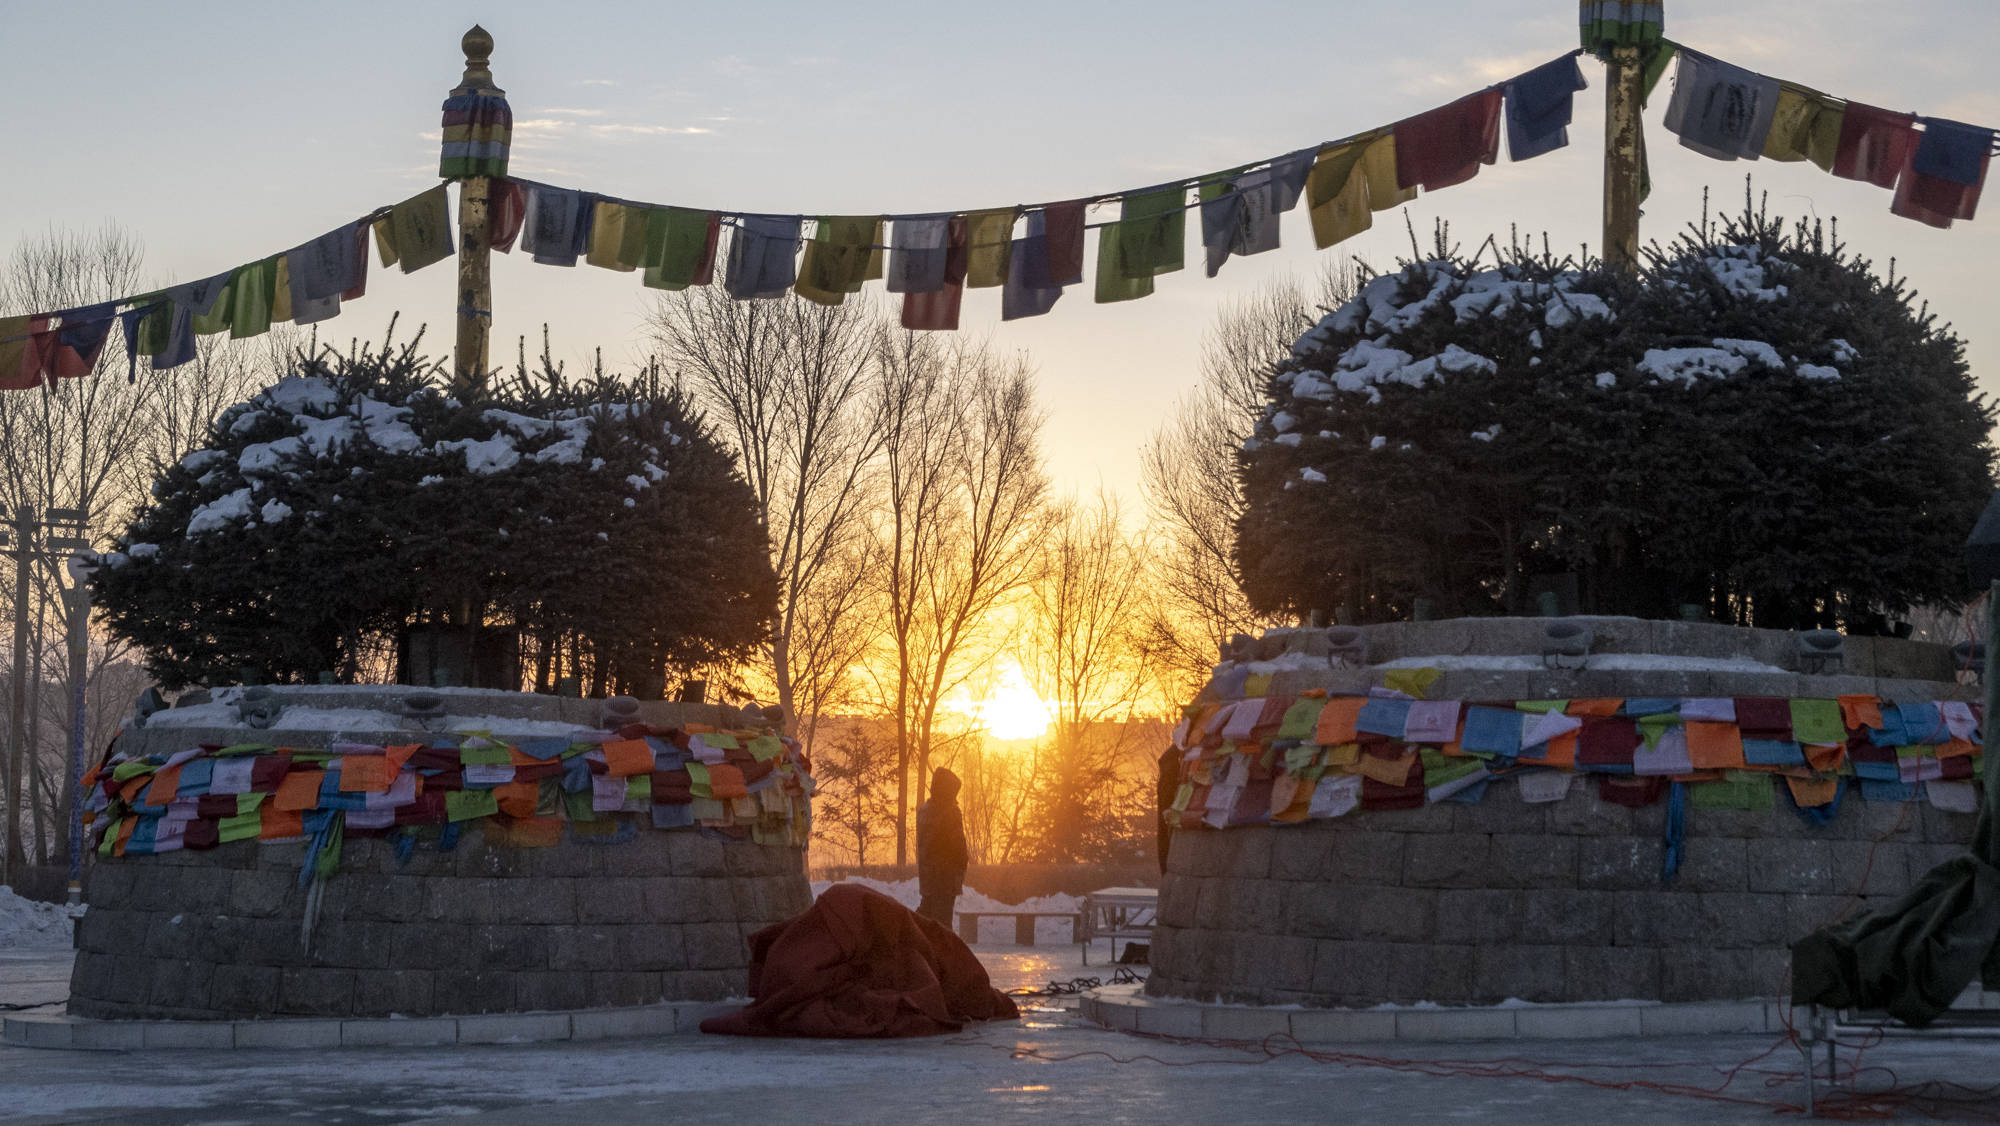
300	393
1491	292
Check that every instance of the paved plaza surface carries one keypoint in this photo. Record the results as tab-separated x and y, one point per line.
1046	1067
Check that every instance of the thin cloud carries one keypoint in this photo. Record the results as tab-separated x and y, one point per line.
650	130
596	82
564	112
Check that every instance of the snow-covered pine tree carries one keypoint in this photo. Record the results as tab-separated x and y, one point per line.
355	498
1760	425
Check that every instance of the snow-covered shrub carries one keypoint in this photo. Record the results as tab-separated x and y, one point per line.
355	498
1758	424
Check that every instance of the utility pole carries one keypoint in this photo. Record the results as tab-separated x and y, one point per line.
78	604
478	128
17	735
31	543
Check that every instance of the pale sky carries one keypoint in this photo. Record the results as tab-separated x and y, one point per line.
219	133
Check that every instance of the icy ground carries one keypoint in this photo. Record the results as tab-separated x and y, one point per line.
1048	1067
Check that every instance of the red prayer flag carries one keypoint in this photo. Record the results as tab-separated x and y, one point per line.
1875	144
1933	200
938	310
1447	145
1063	224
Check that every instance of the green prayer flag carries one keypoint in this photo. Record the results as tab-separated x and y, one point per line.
1301	718
764	748
676	239
721	740
1152	232
1818	721
708	809
577	805
252	289
1652	727
247	803
639	788
1299	757
464	805
110	840
699	782
156	329
1440	768
217	318
329	852
126	770
479	753
1112	285
1546	707
242	827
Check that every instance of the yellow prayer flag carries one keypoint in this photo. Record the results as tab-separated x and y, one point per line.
989	245
385	242
610	224
1805	126
1348	182
281	300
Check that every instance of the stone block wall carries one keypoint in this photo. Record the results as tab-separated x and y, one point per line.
1476	903
224	933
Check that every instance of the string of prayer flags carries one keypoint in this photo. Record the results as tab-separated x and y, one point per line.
1621	23
1540	104
478	130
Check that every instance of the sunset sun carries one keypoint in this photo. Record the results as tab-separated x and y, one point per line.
1010	709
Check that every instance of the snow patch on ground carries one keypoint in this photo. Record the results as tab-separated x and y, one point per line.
26	924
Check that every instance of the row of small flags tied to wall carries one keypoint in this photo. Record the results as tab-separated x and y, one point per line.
1723	111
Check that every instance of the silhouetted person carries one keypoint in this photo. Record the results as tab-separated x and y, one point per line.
941	852
1170	788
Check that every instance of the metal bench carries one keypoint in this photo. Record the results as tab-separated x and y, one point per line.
1024	924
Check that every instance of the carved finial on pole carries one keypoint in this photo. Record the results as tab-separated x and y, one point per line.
478	48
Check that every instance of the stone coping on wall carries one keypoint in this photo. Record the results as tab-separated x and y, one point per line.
1883	666
1125	1008
81	1033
